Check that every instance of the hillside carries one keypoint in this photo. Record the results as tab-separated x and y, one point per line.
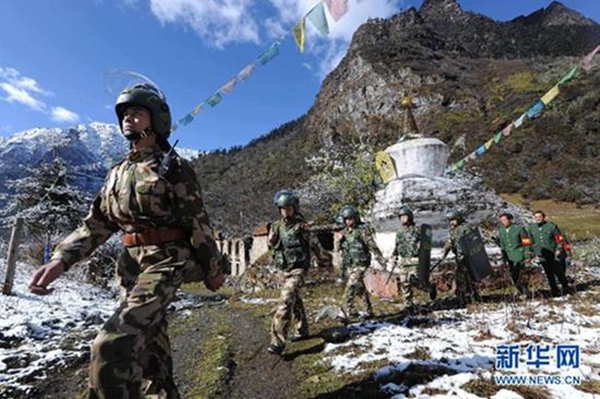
469	76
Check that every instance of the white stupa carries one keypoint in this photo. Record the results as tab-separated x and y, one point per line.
418	180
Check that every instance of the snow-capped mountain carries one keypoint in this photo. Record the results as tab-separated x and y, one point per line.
90	149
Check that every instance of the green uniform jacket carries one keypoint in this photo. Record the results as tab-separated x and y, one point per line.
357	244
513	242
136	197
407	242
291	244
544	236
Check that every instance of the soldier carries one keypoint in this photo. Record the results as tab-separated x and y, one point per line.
407	246
466	290
516	248
549	246
357	243
291	253
154	198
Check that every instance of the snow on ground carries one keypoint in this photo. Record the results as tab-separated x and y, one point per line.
40	333
258	301
464	342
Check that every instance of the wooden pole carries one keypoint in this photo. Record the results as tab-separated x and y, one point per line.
11	262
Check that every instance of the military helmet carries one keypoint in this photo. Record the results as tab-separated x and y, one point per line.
454	214
150	97
405	210
348	211
286	198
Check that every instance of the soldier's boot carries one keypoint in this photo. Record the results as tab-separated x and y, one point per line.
369	305
432	292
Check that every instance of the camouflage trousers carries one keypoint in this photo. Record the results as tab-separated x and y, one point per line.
465	285
409	279
355	286
133	344
290	305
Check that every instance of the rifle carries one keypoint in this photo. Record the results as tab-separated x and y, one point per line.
391	273
436	265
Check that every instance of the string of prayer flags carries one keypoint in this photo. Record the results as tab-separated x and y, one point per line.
533	112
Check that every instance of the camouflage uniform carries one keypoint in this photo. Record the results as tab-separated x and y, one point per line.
291	252
133	344
356	244
465	286
407	247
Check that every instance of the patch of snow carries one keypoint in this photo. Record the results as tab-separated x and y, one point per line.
35	331
465	341
258	301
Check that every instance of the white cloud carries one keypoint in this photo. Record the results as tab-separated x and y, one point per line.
222	22
218	22
26	91
63	115
15	94
13	77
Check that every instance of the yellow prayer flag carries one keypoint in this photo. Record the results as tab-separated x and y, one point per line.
385	166
550	95
299	34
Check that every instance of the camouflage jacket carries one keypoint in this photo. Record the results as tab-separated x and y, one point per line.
407	242
453	242
291	244
357	245
135	197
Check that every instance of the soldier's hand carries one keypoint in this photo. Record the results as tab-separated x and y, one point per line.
558	253
44	276
215	283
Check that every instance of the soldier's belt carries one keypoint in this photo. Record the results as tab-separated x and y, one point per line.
153	237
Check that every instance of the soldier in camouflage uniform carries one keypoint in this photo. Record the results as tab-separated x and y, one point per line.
516	248
290	242
466	290
357	243
407	247
549	246
153	197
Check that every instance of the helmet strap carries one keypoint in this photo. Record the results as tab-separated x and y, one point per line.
133	135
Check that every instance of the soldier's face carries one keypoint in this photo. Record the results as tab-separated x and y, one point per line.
539	217
350	222
404	219
453	223
505	221
286	211
136	119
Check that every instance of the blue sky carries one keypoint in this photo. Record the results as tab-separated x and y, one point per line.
55	55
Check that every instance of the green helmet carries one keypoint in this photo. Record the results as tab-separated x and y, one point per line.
453	214
286	198
348	211
405	210
147	96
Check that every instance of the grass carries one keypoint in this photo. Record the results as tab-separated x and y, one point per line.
581	222
212	358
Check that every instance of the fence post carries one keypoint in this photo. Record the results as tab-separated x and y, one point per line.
11	262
